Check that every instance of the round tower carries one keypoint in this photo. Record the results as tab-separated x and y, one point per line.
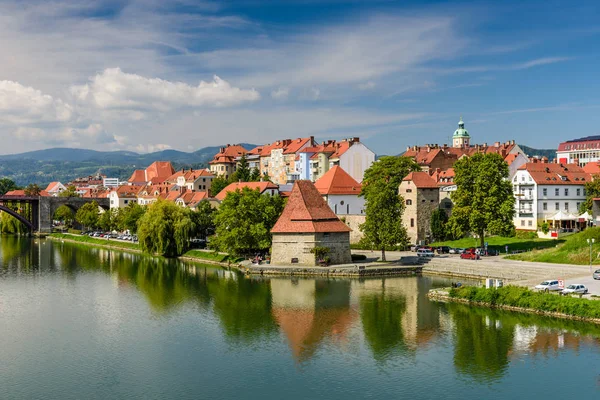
461	136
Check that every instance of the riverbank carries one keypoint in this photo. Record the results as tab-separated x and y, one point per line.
207	257
520	299
343	270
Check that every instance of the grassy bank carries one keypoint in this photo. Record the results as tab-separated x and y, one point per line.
499	243
516	296
573	250
212	256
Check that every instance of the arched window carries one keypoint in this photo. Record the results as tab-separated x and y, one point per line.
408	202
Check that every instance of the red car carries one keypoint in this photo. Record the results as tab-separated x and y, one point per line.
470	254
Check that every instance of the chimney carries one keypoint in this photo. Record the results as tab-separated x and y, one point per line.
485	145
497	144
512	142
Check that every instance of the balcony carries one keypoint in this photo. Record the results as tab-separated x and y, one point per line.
525	212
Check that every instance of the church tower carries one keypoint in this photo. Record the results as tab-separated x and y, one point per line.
461	137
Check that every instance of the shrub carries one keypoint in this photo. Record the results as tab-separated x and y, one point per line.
74	231
545	227
526	235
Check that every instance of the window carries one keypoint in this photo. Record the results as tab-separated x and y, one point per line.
529	223
566	206
578	204
584	191
545	192
126	201
347	208
578	192
545	206
556	206
556	192
408	190
522	178
530	192
522	223
335	209
342	202
566	191
412	222
408	202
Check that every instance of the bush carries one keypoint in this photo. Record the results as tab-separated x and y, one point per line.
517	296
526	235
74	231
358	257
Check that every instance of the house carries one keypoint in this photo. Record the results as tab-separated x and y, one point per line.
192	179
353	157
579	151
421	197
55	188
262	187
305	223
191	199
156	172
342	194
224	162
548	192
124	195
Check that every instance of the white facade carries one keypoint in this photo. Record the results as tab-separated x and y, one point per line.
120	202
355	161
110	182
346	204
536	203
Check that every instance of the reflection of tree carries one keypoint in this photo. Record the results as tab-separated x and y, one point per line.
15	252
382	323
483	341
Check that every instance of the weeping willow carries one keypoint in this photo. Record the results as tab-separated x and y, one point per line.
9	224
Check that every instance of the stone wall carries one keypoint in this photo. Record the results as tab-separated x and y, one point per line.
287	246
353	222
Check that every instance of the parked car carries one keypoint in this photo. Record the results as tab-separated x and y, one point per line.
460	250
443	250
492	252
453	251
575	288
596	274
469	254
548	286
425	253
414	247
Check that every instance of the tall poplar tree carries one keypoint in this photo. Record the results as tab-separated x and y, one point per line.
483	200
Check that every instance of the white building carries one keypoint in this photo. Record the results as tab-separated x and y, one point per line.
579	151
110	182
548	192
354	158
341	192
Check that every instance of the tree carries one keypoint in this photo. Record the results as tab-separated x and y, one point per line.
483	200
439	218
203	218
592	190
109	220
243	171
129	217
70	191
254	175
166	229
64	214
244	221
87	215
384	206
32	190
217	185
6	185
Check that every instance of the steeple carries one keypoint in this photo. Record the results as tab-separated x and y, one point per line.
461	136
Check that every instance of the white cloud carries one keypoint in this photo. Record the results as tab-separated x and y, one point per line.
151	148
114	88
90	136
281	93
367	85
23	105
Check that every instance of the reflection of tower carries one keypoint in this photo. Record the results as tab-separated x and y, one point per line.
461	137
309	310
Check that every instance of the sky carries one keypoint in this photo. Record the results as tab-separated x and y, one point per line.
147	75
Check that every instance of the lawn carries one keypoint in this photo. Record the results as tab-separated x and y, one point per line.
499	243
96	241
212	256
574	250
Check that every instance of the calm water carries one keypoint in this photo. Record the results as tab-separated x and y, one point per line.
80	323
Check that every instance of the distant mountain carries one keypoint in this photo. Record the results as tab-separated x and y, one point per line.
65	164
531	152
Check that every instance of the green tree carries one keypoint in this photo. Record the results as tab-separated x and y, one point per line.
439	218
129	217
32	190
217	185
384	206
244	221
166	229
109	220
6	185
9	224
70	191
254	175
65	215
592	190
203	218
243	171
483	200
87	215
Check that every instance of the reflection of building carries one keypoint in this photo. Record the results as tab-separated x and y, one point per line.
310	311
535	340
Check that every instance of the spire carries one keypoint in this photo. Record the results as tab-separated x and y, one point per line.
461	124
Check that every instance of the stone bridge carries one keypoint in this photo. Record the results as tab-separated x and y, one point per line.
36	212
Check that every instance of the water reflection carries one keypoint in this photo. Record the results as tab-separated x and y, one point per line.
391	316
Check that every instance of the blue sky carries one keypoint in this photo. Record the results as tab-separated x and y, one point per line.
145	75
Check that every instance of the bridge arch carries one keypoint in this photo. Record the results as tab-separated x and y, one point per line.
18	216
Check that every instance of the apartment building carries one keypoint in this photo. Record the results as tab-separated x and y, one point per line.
224	163
579	151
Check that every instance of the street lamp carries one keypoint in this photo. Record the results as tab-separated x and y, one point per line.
591	242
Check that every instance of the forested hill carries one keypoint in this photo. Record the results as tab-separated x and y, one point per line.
531	152
64	164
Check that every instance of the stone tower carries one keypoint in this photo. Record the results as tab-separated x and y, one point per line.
461	137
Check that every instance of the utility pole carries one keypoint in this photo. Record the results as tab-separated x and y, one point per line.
591	242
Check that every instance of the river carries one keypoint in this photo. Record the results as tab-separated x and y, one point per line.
87	323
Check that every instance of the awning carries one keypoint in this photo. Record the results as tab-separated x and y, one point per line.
562	216
585	217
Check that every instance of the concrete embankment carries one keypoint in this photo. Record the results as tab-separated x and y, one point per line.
335	270
442	295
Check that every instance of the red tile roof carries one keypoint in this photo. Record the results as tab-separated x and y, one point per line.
592	142
337	181
553	174
307	212
592	168
421	180
232	187
228	154
139	175
21	192
52	186
159	169
297	144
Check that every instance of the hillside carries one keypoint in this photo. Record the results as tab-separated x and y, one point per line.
65	164
531	152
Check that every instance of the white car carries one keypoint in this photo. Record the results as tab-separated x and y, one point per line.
548	286
575	288
425	253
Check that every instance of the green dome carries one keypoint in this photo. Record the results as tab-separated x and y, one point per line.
461	131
